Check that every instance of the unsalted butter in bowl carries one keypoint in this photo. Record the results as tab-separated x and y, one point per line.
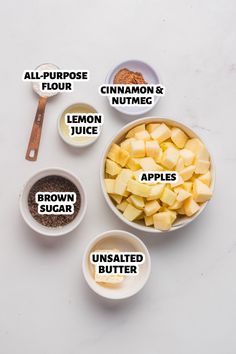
63	129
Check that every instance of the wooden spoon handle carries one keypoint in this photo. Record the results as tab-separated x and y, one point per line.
33	146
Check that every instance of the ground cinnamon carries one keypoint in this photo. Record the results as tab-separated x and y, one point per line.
128	77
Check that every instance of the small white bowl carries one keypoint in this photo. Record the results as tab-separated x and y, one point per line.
116	139
149	74
123	241
70	141
36	226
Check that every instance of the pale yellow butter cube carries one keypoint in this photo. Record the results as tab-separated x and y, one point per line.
162	221
201	192
151	207
137	148
188	156
131	213
178	137
168	196
190	207
161	133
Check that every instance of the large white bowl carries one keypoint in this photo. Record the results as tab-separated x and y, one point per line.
179	223
35	225
124	242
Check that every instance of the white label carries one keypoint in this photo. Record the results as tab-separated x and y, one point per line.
57	203
84	124
152	177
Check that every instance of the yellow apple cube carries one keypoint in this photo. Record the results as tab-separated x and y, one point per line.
118	155
168	196
137	129
195	145
151	207
178	137
180	164
137	201
202	166
125	145
143	135
182	195
190	207
148	220
137	148
110	185
112	168
121	181
138	188
161	133
187	172
117	198
152	148
133	164
188	156
206	178
122	206
170	158
201	192
162	221
156	191
152	126
148	164
131	213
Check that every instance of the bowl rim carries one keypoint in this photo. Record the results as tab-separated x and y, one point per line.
116	137
33	224
75	145
144	110
122	234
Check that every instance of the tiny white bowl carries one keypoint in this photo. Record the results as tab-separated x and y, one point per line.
71	142
123	241
179	223
149	74
36	226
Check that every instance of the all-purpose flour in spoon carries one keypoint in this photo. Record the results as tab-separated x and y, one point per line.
36	84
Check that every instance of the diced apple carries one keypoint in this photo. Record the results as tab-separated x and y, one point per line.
143	135
141	216
206	178
168	196
118	155
137	201
170	158
201	192
202	166
161	133
138	188
122	206
151	207
139	128
117	198
180	164
148	164
194	145
122	180
187	172
152	126
190	207
112	168
131	213
152	148
188	156
137	148
178	137
162	221
155	192
148	220
164	146
182	195
188	186
110	185
133	164
126	144
178	183
158	159
203	154
176	205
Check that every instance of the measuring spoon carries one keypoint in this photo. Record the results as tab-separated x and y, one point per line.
33	146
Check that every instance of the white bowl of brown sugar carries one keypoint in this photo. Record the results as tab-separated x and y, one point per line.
63	204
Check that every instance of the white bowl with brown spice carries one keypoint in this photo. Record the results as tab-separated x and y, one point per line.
52	180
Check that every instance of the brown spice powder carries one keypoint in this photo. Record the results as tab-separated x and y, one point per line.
127	77
52	184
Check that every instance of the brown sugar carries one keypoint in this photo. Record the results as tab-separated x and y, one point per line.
128	77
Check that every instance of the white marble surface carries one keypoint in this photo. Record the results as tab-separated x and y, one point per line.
188	306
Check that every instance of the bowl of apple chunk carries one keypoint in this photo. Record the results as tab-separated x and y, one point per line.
158	146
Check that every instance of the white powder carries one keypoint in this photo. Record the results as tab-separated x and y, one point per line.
36	85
